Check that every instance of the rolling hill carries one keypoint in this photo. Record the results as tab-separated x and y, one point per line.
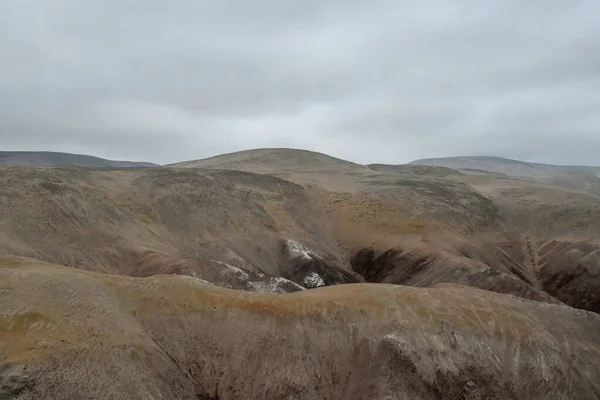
90	335
514	168
377	281
575	177
274	160
47	158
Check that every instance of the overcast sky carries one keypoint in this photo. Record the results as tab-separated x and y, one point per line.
371	81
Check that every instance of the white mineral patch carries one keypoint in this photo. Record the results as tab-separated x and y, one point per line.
394	337
574	253
298	250
233	269
313	280
273	285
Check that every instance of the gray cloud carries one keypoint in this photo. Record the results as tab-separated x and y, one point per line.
383	81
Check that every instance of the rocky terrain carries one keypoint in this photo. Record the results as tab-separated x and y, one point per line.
286	274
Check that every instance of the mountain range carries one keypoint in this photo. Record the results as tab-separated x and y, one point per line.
245	159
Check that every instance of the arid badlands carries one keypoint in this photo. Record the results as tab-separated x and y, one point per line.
288	274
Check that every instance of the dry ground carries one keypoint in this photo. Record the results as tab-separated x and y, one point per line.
74	334
143	306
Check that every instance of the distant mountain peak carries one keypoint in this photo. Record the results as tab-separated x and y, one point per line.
513	168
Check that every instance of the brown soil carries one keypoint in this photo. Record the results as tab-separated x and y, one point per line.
164	288
88	335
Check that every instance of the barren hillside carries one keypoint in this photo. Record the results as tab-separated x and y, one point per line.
156	266
89	335
273	160
106	221
573	177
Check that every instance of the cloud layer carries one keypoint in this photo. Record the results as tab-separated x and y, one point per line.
382	81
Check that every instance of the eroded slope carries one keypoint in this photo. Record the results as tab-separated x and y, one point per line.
208	223
94	335
106	221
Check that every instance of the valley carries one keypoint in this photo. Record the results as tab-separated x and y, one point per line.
347	281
